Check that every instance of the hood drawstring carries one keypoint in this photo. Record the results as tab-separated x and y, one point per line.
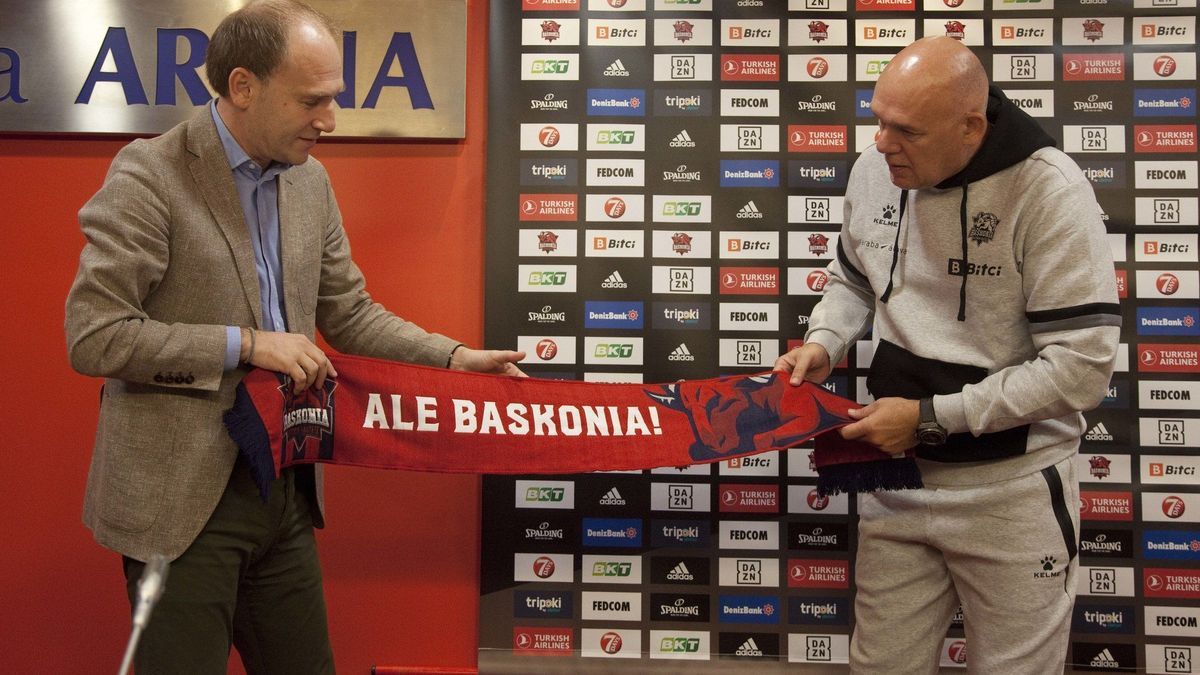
887	293
962	219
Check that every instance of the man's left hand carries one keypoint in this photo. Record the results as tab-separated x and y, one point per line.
889	424
496	361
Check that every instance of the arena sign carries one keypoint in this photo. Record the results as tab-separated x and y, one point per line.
137	66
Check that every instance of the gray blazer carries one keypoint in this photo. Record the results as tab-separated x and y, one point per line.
167	265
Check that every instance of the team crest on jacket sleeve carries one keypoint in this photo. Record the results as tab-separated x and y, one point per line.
983	227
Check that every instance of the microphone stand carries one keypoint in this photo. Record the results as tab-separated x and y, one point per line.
150	589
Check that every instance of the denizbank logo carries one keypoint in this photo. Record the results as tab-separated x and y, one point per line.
749	173
749	609
612	532
622	102
1168	321
1164	102
1171	545
626	315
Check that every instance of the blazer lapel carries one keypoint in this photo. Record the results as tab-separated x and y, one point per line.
210	169
294	236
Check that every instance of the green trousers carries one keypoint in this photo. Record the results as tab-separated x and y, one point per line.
251	579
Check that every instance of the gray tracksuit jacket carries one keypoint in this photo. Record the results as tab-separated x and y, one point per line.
993	292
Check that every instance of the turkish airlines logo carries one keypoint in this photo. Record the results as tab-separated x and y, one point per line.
1165	138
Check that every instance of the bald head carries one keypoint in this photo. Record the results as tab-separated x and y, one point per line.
931	102
941	71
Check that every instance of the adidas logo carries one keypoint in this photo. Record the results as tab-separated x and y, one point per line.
748	648
680	573
682	140
612	498
1104	660
681	353
616	69
1098	433
750	210
614	280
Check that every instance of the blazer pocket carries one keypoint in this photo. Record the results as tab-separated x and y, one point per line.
137	463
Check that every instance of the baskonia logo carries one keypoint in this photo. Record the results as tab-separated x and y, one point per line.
956	29
818	31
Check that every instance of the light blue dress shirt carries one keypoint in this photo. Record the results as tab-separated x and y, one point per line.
258	192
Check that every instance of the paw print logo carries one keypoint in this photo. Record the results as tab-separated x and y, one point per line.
1048	563
889	212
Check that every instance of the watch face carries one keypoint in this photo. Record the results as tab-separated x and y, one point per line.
931	436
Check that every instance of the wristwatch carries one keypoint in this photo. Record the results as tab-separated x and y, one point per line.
929	432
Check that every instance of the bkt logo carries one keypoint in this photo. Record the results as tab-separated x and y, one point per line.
549	66
544	494
672	209
615	137
613	351
547	278
611	569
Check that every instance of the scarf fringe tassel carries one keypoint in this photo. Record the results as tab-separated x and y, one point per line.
883	474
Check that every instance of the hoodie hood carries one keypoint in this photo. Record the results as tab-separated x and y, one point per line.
1011	138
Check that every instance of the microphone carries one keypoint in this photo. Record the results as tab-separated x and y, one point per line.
150	588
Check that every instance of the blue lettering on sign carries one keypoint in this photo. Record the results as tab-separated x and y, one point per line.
169	68
116	43
14	76
401	48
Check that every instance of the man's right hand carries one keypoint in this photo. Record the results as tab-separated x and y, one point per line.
292	354
809	361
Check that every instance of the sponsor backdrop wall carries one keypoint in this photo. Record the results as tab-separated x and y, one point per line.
665	190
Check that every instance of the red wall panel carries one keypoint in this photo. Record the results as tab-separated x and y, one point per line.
400	554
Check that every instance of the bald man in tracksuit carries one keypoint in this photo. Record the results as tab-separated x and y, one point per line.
975	253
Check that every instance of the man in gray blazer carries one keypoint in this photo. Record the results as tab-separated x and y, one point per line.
213	248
